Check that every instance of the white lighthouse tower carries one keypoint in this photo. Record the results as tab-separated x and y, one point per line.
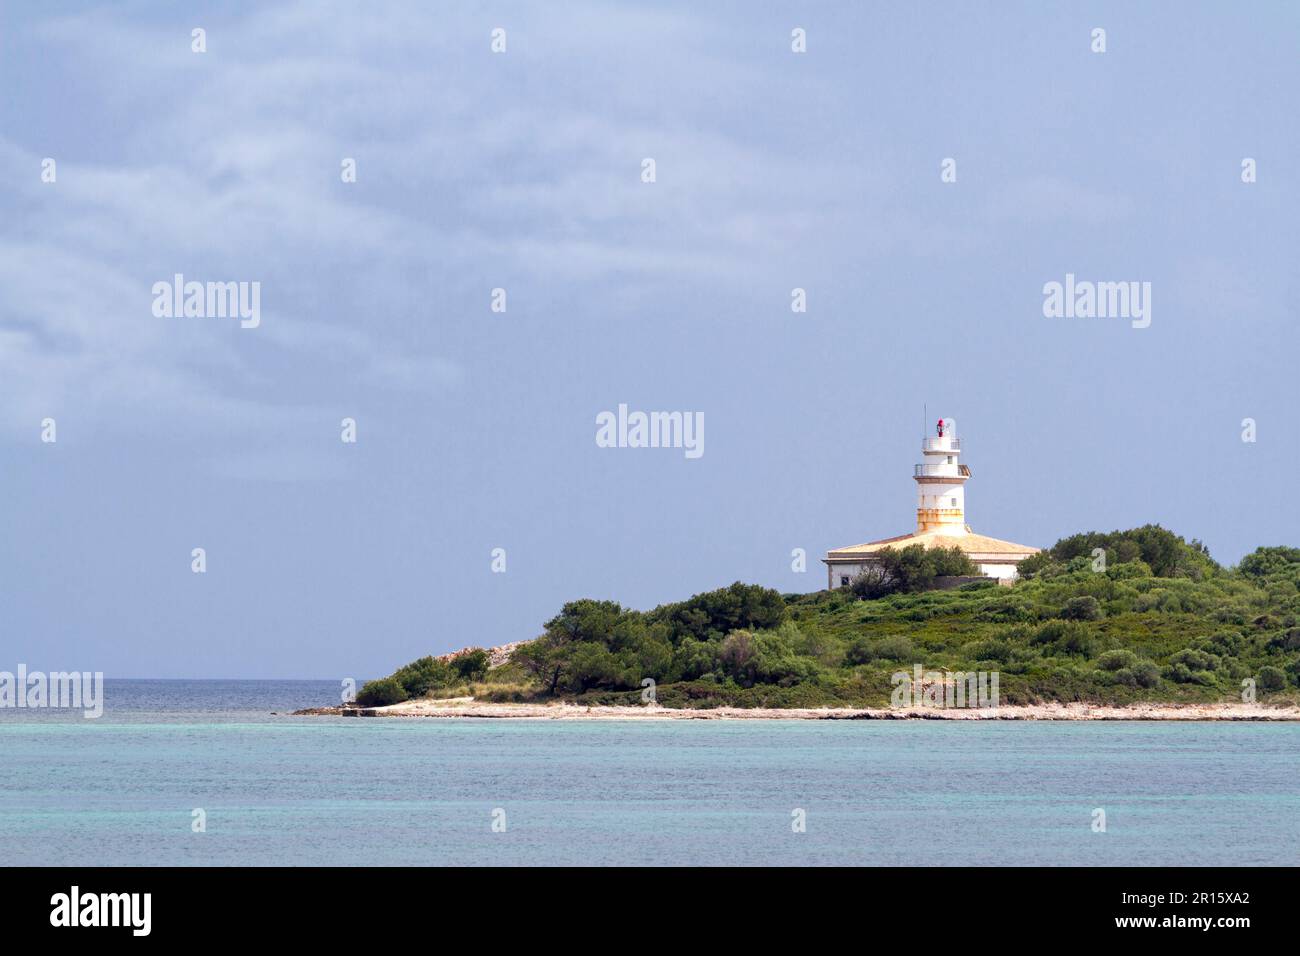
940	519
941	483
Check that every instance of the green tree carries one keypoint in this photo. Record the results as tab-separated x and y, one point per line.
714	614
909	569
693	659
1167	554
590	665
1267	562
471	665
951	562
543	660
1034	565
738	657
419	677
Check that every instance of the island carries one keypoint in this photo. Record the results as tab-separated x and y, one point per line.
1136	624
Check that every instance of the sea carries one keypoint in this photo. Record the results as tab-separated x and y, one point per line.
180	772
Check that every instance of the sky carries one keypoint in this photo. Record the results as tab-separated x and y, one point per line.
522	170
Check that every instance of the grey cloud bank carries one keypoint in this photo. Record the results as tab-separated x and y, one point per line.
522	171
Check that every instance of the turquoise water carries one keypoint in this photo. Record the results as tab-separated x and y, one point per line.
310	791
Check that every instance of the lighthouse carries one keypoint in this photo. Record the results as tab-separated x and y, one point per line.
940	518
941	482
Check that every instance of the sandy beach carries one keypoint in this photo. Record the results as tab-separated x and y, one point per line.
468	707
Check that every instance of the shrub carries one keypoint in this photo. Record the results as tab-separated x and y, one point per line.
1033	565
778	662
993	650
1288	640
951	562
1230	615
1191	667
737	656
1065	637
1224	644
1085	608
381	693
1146	673
713	614
1167	554
1195	660
872	582
896	647
1127	570
1049	633
1005	610
1078	643
909	569
860	651
472	665
1266	562
1117	660
693	659
1271	678
419	677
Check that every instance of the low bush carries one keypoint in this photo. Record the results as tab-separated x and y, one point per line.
1271	678
1083	608
1117	660
381	693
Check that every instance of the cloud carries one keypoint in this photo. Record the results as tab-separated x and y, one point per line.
224	166
78	259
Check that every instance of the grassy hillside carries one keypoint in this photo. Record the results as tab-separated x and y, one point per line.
1138	615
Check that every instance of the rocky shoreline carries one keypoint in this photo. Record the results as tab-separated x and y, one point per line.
468	707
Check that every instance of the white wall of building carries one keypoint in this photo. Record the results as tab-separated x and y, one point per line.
839	570
1007	571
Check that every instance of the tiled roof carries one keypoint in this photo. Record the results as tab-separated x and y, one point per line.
970	542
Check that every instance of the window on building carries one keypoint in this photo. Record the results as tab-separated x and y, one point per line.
950	459
954	502
844	580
